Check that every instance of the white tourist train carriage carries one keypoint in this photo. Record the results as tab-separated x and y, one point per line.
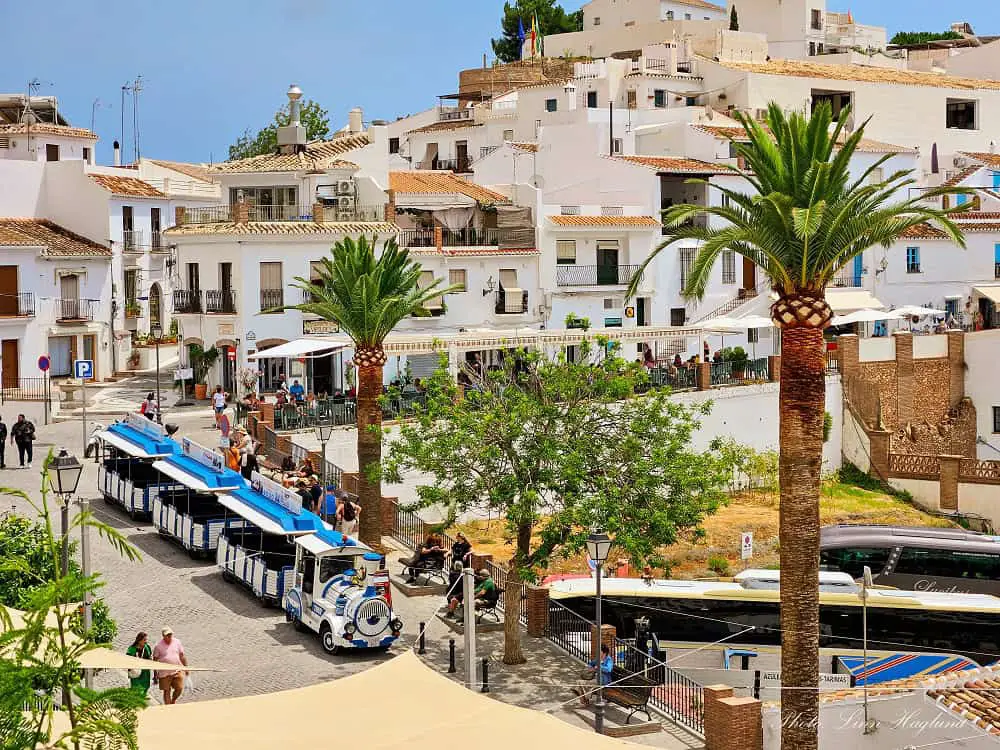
125	472
338	594
192	514
261	553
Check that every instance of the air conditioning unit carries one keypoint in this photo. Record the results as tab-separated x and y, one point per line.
345	201
345	187
961	162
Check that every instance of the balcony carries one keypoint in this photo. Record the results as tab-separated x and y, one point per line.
343	209
451	114
220	302
270	299
187	302
156	244
573	275
20	305
461	164
505	306
75	310
279	212
132	310
133	241
846	281
468	237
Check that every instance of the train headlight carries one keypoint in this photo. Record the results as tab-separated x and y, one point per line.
397	626
349	629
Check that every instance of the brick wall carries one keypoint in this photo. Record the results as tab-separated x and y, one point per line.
882	376
731	723
955	434
948	482
608	635
905	378
538	611
931	389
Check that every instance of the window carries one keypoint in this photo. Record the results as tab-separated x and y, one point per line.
616	146
948	563
913	260
155	225
597	20
630	96
753	335
728	267
566	252
687	258
961	114
86	154
508	278
508	135
394	145
670	15
131	289
678	316
659	98
854	559
612	210
193	277
996	419
996	261
334	566
592	100
612	303
538	127
456	277
838	100
271	288
816	19
687	16
569	210
876	176
551	105
51	152
812	49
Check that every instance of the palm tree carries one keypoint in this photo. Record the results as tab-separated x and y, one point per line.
368	297
805	219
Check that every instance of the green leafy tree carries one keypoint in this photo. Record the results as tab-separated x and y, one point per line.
552	19
368	297
556	449
40	655
734	20
805	217
313	117
922	37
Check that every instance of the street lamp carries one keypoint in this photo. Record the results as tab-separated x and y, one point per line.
324	431
598	548
67	470
866	583
156	331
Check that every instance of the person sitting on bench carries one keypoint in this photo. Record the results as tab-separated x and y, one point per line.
455	590
428	555
487	592
603	668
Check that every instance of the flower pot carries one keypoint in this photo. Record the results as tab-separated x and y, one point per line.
200	391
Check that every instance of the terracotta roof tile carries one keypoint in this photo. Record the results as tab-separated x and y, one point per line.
961	176
723	132
444	183
131	187
676	164
979	226
701	4
923	232
196	171
862	73
865	145
46	128
990	160
287	228
57	240
530	147
447	125
318	155
604	221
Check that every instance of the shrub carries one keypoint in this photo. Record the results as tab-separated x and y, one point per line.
718	565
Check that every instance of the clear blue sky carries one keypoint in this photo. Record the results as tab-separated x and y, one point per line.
212	68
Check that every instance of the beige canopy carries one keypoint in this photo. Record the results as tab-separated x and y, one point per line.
400	704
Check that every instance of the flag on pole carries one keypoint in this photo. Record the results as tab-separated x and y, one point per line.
521	36
534	36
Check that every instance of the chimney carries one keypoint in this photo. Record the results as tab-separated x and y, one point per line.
570	90
292	137
118	154
355	121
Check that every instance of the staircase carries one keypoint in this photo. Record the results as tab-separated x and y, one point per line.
744	296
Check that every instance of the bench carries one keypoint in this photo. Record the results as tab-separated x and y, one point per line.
631	691
433	567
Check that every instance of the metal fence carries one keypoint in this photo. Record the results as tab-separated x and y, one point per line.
675	696
737	373
22	389
676	378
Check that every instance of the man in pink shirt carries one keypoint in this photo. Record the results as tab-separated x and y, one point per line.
170	651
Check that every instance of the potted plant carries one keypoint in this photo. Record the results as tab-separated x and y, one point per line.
133	360
737	356
201	361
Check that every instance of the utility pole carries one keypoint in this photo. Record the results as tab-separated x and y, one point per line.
136	90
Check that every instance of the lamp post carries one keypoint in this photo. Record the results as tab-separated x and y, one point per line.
324	430
866	582
156	331
67	470
598	547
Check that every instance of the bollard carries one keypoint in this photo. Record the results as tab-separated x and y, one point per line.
486	676
451	656
422	648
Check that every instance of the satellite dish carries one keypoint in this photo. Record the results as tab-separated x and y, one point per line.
28	117
850	123
538	181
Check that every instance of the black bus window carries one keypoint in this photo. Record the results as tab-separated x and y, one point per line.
334	566
852	560
928	562
308	568
980	566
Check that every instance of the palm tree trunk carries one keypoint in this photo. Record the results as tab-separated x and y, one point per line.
802	404
370	454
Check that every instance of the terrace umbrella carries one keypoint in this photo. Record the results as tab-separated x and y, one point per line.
865	316
934	160
721	325
754	322
916	311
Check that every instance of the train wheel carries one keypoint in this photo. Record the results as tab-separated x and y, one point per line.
327	641
298	625
228	577
267	602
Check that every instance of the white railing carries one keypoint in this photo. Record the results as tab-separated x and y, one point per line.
590	70
504	104
185	187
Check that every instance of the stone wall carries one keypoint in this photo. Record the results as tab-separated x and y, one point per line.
954	434
882	377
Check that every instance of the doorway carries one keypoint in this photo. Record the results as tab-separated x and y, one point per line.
607	262
90	351
8	291
61	356
10	364
155	305
749	275
642	311
69	291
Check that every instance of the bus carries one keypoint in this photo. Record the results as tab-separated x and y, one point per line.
747	611
915	558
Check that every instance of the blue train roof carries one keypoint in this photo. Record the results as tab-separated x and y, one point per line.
269	516
327	540
139	444
197	476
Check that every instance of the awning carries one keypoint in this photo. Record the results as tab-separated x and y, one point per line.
270	517
197	477
299	348
848	300
990	292
327	541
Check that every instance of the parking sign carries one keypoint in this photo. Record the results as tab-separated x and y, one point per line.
83	369
746	545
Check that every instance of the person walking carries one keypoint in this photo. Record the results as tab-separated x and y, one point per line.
149	407
139	679
23	435
348	515
170	651
3	443
218	404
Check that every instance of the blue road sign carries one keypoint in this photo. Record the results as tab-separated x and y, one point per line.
83	369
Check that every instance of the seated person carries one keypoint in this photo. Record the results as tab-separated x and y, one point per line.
487	592
602	667
455	590
280	399
287	464
306	468
461	550
426	556
297	392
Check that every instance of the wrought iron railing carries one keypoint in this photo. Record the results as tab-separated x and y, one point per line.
22	389
573	275
453	165
220	301
76	309
846	281
133	241
737	373
516	308
20	305
187	301
279	212
270	299
675	378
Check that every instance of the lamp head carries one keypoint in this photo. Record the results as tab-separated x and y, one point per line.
67	470
599	547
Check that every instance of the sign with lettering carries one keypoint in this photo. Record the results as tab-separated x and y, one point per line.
208	458
184	373
319	327
826	681
276	493
746	545
146	426
227	329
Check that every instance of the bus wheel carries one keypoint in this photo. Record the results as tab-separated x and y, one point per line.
327	641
